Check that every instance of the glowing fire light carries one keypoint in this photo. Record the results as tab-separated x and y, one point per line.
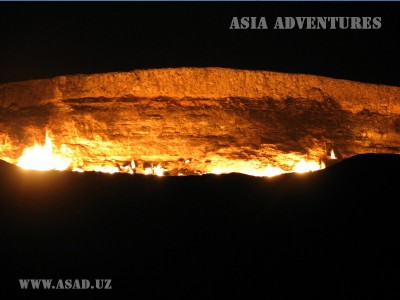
216	172
148	171
333	156
273	171
109	170
306	166
42	158
302	166
159	171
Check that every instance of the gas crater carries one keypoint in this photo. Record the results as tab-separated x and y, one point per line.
190	121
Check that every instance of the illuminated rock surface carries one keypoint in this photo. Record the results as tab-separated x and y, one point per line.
199	119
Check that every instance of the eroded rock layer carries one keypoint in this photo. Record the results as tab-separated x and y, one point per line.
199	119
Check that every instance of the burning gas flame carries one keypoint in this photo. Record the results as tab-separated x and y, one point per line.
306	166
42	158
273	171
159	171
302	166
109	170
333	156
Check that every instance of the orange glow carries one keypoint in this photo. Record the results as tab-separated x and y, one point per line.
109	170
216	172
159	171
333	156
302	166
42	158
306	166
148	171
273	171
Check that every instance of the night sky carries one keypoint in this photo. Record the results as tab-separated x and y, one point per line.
41	40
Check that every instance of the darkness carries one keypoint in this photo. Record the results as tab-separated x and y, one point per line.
41	40
332	234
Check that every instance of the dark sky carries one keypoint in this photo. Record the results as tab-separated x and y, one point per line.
40	40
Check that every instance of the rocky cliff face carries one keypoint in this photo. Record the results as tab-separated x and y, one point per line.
199	119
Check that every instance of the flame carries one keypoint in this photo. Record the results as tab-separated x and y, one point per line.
306	166
333	156
216	171
109	170
273	171
302	166
42	158
148	171
159	171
